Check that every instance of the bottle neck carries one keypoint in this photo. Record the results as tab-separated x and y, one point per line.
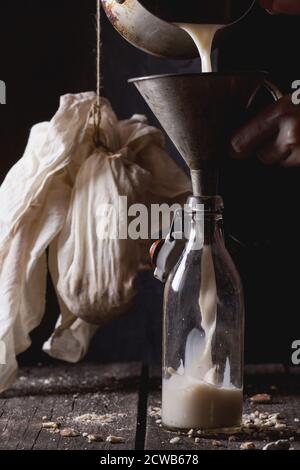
206	204
206	214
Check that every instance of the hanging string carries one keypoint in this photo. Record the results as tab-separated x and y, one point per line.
97	105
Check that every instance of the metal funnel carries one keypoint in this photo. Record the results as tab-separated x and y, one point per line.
199	112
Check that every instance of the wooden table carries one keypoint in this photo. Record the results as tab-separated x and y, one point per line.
123	400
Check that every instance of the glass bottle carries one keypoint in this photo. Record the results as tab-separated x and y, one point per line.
203	328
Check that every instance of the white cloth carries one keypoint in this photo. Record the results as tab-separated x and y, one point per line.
51	199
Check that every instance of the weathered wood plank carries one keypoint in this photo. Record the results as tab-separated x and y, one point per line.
70	379
43	406
109	394
121	416
111	409
283	387
20	422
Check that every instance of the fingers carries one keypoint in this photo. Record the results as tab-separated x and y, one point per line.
293	160
256	132
289	7
273	153
290	136
284	147
274	136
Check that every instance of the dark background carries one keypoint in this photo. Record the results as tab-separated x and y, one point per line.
47	49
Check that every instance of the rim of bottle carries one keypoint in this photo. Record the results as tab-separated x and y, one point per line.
206	204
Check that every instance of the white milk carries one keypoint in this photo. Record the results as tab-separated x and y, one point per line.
192	397
188	403
203	36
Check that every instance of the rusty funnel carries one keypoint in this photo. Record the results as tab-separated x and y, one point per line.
199	112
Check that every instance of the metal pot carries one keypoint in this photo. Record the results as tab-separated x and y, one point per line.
147	24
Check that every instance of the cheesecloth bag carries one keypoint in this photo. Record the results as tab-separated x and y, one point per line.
34	200
51	199
96	268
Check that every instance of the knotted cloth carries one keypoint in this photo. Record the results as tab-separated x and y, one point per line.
49	204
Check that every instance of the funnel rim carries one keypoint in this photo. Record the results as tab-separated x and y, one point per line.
209	74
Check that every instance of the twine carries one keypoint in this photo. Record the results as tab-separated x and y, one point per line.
97	105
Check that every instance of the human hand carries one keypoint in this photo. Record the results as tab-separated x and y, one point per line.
289	7
273	135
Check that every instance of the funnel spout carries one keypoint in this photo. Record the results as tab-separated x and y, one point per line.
204	182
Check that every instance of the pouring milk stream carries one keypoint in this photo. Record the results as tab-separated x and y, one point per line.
203	36
192	396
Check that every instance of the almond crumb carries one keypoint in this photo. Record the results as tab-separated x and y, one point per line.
175	440
261	398
50	425
115	440
95	438
247	446
69	432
